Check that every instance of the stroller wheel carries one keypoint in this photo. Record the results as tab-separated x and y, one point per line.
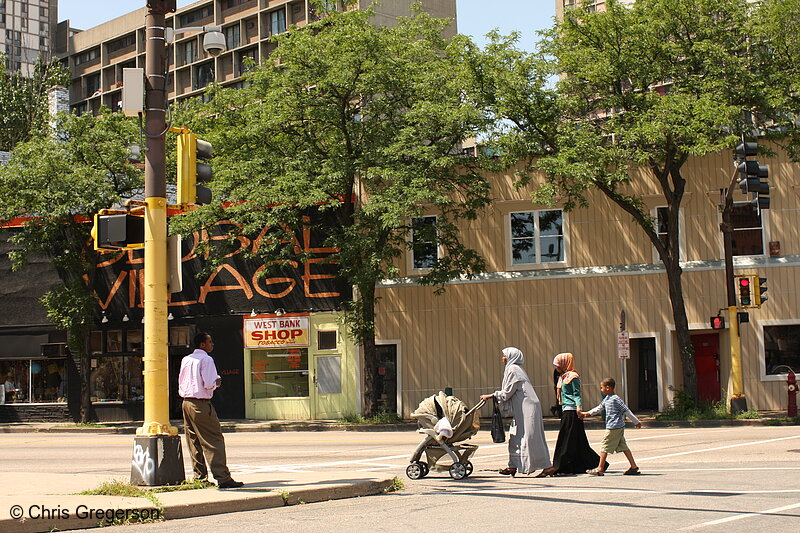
468	466
425	469
458	471
416	470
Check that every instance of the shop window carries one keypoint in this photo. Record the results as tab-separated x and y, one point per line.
16	381
537	237
116	378
748	230
279	373
424	250
326	340
782	348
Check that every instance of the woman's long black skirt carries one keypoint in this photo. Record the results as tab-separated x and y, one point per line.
573	454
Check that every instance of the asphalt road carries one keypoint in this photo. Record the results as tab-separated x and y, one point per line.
711	479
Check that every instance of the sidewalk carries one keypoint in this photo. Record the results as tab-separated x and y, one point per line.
48	502
248	425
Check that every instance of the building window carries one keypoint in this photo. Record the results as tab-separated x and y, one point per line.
232	36
227	4
188	52
203	75
326	340
246	60
424	250
92	85
279	373
661	216
198	14
748	231
782	348
87	56
116	378
124	42
537	237
277	22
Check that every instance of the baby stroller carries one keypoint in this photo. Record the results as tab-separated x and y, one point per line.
446	422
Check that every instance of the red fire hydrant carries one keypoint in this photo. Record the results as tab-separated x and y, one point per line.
791	381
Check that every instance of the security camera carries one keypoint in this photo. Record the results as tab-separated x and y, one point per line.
214	42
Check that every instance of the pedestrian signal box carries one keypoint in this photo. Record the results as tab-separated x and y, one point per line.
717	322
114	232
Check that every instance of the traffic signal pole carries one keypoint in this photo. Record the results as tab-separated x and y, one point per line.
738	399
157	454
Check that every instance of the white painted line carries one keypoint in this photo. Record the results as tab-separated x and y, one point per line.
743	515
702	450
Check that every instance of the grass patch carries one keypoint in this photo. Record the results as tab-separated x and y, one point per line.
382	417
684	408
783	421
82	425
186	484
396	486
125	489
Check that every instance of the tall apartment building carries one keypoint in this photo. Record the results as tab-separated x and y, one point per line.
97	56
27	29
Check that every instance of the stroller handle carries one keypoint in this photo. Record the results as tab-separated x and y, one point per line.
477	406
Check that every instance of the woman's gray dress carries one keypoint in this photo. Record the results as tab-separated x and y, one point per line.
527	447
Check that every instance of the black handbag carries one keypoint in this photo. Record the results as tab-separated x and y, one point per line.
498	433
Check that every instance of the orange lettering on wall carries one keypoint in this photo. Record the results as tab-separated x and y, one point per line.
132	283
272	281
209	287
113	259
111	293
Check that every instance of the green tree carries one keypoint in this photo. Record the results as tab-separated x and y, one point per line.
362	122
60	182
640	89
23	100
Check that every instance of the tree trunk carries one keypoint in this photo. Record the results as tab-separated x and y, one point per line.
674	273
370	399
87	411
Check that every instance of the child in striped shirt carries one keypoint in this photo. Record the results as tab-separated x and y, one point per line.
614	437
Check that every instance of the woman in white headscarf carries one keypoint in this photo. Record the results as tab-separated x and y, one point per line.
527	448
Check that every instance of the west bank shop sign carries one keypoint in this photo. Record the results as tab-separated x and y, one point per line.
283	331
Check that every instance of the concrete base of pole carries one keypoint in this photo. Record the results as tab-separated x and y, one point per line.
157	460
738	405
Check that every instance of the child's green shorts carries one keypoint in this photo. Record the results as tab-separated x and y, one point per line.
614	441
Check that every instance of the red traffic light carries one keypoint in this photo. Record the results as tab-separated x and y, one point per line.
744	282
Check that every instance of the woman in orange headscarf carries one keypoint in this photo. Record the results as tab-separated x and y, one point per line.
573	454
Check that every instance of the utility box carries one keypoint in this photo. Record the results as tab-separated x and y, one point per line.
112	232
132	91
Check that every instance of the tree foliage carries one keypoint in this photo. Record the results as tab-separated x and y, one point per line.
363	122
58	182
23	100
640	89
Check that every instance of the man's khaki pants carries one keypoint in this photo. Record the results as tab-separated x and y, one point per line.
204	435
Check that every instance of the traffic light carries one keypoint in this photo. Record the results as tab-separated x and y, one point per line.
114	232
761	288
717	322
190	149
745	298
752	173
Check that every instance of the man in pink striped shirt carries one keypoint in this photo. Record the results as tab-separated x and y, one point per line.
196	383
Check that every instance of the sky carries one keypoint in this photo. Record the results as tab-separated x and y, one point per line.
475	17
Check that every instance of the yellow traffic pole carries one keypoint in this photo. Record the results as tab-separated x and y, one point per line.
156	336
157	453
736	355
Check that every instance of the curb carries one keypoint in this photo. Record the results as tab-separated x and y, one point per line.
195	503
549	424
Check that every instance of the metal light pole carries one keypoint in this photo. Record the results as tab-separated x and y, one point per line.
738	399
157	452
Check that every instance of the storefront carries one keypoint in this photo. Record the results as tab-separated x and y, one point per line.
300	367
